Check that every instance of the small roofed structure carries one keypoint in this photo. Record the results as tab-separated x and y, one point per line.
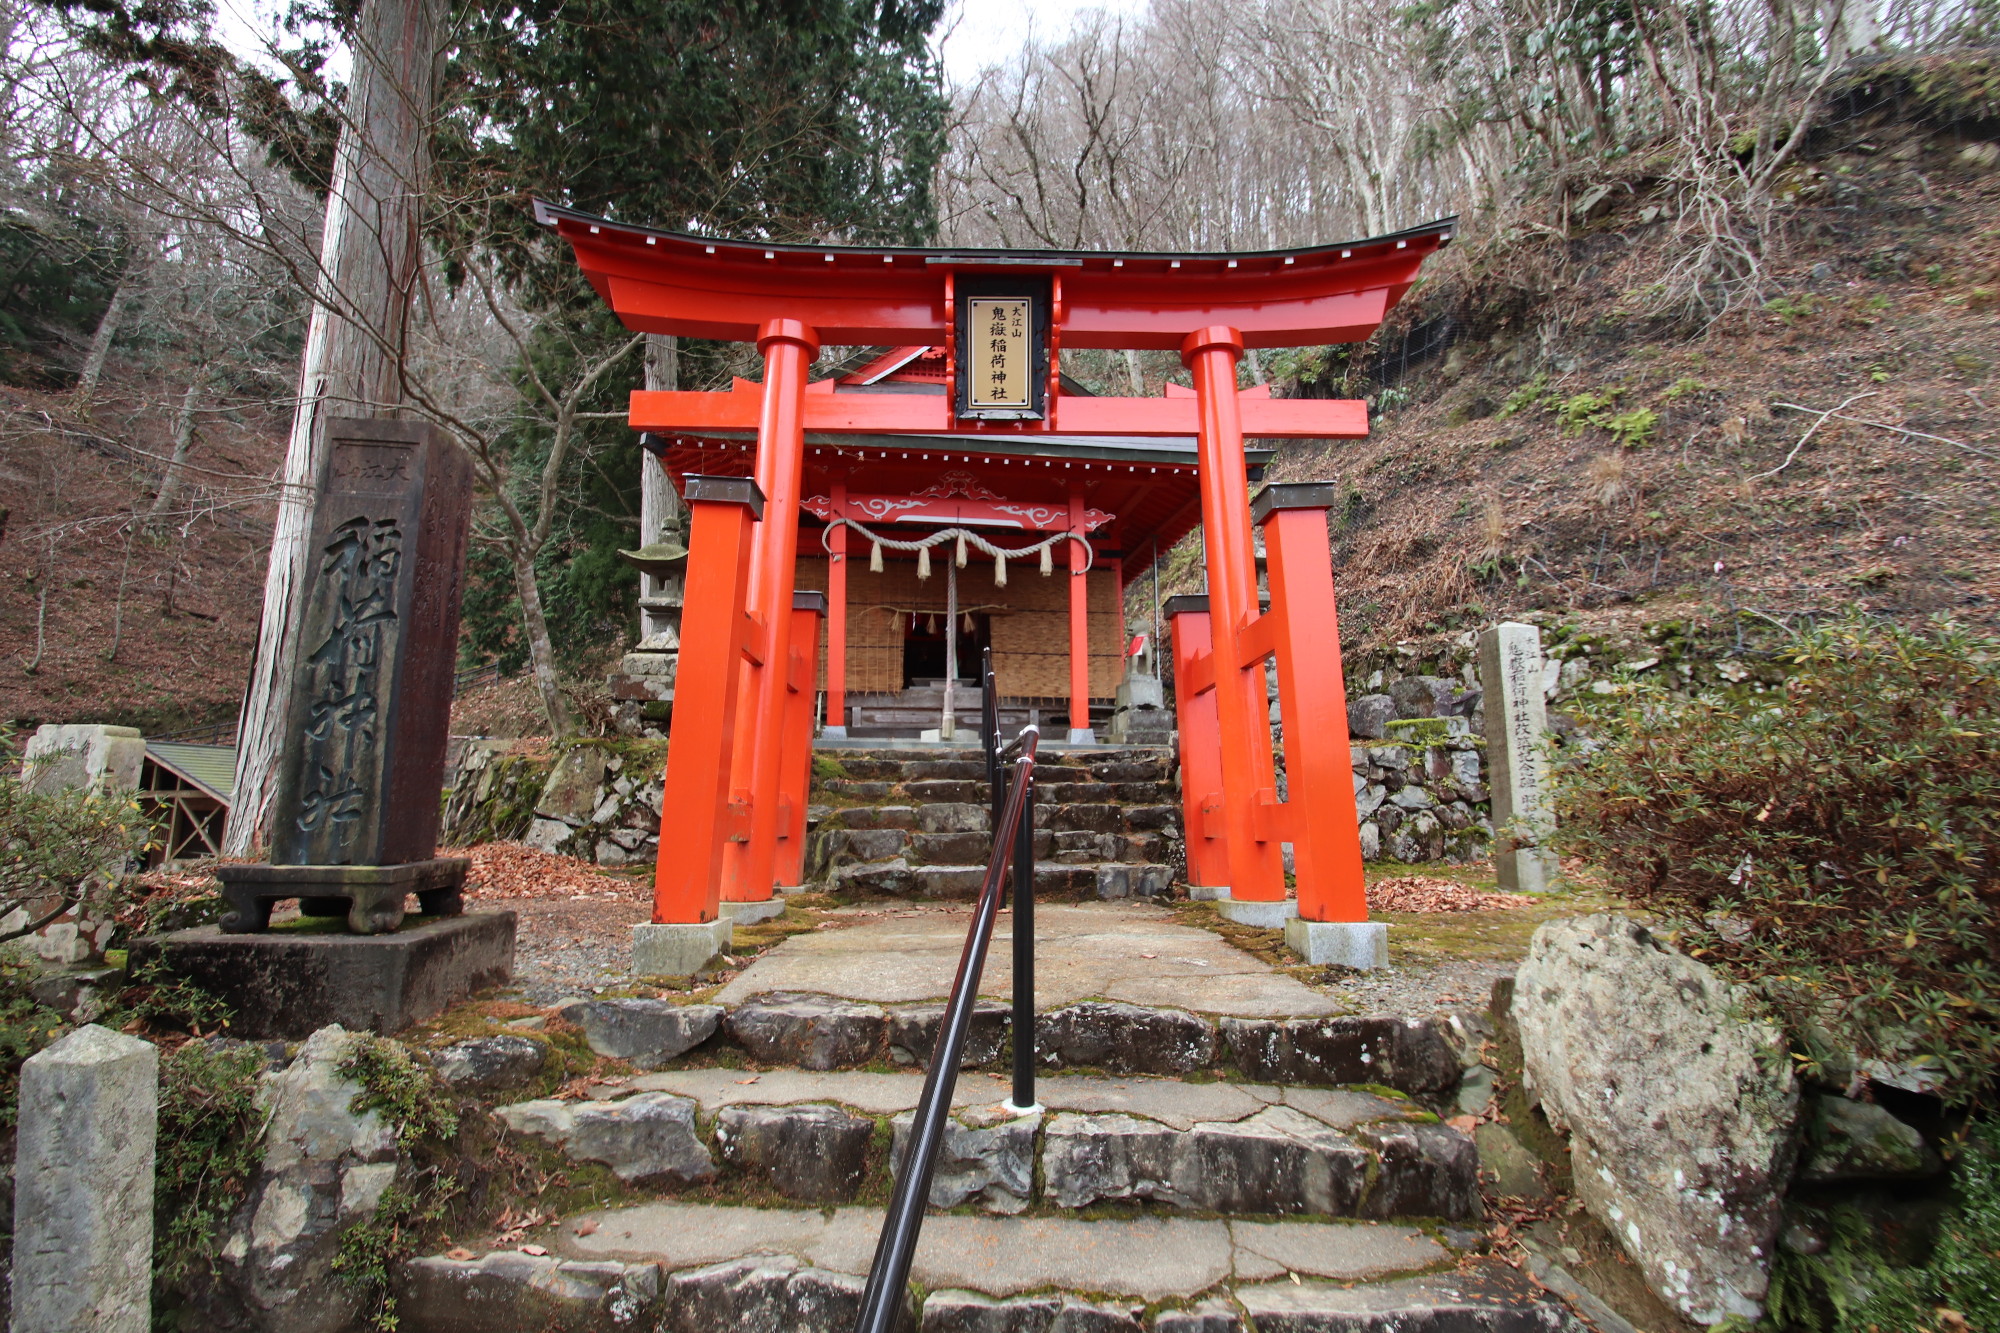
187	790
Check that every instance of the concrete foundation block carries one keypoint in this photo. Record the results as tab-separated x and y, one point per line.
677	950
745	913
1362	945
288	984
1270	916
1207	893
83	1191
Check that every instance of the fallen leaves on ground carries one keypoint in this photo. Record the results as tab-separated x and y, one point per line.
516	870
1427	893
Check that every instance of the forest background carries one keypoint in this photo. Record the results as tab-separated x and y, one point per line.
161	198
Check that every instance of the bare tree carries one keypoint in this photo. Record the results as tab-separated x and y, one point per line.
369	264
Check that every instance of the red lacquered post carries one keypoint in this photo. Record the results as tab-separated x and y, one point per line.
836	619
1200	744
788	347
795	759
696	821
1249	777
1079	624
1312	700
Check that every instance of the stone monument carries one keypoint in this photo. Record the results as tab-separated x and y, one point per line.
355	817
1517	725
1139	712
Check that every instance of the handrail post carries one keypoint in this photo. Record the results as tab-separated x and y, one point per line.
989	735
902	1223
1024	954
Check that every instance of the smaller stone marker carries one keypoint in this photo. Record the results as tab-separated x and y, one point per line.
83	755
83	1186
1517	723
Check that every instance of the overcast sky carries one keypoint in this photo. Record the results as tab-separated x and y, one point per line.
975	33
978	33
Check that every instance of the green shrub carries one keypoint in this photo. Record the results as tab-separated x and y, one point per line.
1585	409
1836	843
1858	1286
26	1026
64	850
175	1004
1632	430
403	1089
209	1145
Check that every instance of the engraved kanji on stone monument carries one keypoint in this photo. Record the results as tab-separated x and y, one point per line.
360	777
1510	675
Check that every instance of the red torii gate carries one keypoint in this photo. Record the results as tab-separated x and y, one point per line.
739	762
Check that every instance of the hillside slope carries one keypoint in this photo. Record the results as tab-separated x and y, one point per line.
80	564
1574	459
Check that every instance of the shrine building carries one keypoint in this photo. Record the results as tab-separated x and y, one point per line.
1059	645
827	516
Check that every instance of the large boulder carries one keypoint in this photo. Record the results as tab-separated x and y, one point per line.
1849	1140
810	1031
762	1294
487	1064
1682	1111
510	1292
987	1157
324	1169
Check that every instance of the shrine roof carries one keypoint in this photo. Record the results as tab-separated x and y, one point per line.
663	281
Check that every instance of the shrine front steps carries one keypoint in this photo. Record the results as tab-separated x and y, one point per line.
1213	1208
798	1035
792	1271
916	823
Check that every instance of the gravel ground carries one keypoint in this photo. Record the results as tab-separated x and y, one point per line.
563	947
1421	989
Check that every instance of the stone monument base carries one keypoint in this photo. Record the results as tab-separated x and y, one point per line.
1361	945
642	693
372	898
288	984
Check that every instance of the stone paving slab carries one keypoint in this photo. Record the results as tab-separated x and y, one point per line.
1146	1258
1169	1101
1082	951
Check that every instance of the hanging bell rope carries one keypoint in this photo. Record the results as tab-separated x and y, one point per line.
962	537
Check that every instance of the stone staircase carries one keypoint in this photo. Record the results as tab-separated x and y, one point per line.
1181	1174
915	823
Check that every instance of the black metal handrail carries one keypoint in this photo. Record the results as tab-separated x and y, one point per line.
889	1275
1023	898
